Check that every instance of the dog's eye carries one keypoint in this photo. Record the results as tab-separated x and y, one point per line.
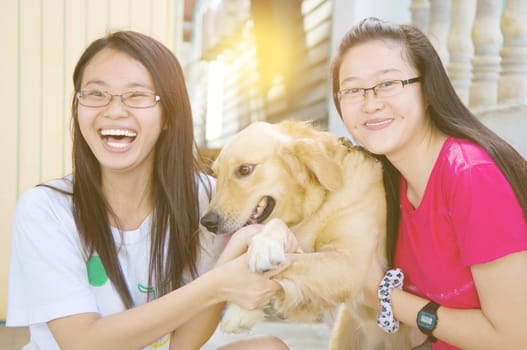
245	169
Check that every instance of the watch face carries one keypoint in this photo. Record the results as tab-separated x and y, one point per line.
427	320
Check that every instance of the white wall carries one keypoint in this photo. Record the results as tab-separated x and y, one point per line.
510	122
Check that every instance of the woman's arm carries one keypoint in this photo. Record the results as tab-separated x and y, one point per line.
197	331
499	324
194	333
142	325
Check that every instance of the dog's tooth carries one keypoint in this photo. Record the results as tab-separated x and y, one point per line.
262	203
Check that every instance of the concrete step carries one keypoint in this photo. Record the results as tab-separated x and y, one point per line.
299	336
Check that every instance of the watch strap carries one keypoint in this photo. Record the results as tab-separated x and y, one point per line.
431	307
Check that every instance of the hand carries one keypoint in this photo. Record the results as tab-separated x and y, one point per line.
238	243
249	290
246	233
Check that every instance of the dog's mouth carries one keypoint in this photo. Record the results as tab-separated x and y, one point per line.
263	209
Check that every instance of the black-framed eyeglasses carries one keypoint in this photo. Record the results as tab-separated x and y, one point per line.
133	99
386	88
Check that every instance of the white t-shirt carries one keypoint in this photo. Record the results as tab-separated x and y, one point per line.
50	278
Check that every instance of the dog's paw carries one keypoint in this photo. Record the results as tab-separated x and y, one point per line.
265	254
239	320
267	248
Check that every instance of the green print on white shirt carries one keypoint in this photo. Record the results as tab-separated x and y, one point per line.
97	277
146	290
96	273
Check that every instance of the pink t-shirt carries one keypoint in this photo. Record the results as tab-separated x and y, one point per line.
468	215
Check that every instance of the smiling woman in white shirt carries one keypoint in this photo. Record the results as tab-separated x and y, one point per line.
113	255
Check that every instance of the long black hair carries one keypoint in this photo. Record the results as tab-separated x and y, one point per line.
445	109
175	219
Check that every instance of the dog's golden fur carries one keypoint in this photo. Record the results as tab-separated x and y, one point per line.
331	195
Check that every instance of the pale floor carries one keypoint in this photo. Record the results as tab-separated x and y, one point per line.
299	336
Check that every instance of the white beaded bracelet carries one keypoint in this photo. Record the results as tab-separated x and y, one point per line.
392	279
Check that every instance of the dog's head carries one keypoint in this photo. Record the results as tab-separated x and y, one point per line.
272	170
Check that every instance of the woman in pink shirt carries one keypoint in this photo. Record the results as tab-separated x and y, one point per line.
456	194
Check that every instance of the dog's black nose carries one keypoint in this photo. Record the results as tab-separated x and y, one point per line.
210	221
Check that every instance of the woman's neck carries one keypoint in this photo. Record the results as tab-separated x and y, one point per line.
417	162
130	197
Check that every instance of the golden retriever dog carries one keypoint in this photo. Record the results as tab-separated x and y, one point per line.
331	195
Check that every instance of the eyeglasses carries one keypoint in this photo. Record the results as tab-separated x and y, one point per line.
134	99
385	89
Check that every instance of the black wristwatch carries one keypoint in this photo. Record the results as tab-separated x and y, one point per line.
427	319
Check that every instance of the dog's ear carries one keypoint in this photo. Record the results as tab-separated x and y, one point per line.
307	158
